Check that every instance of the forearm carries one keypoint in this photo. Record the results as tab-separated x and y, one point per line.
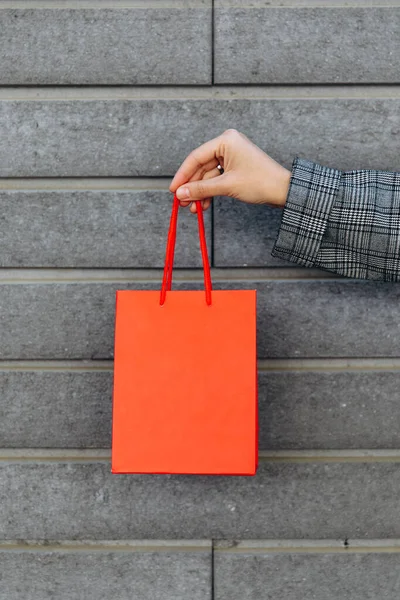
347	222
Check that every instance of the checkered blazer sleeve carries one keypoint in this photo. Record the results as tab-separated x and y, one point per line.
347	222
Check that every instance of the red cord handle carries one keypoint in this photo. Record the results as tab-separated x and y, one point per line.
170	252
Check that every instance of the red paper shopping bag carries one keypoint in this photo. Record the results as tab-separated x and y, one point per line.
185	377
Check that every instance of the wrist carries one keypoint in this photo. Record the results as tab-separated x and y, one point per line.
283	187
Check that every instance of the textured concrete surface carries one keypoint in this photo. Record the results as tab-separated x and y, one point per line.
111	93
329	410
245	234
93	229
36	573
164	45
49	409
320	410
322	318
247	576
293	44
151	137
72	500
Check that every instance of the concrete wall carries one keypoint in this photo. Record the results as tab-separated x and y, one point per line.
100	101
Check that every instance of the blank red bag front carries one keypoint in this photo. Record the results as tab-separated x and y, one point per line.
185	377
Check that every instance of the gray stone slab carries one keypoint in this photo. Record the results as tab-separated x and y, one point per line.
151	137
55	409
329	410
136	46
247	576
297	410
300	318
255	44
244	235
109	228
73	574
75	500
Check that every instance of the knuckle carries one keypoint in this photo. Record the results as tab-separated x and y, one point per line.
231	132
202	173
194	156
200	189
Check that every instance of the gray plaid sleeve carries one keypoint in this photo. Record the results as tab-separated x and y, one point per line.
347	222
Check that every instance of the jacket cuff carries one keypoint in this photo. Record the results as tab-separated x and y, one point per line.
312	191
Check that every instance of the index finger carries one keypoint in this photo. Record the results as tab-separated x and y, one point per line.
196	159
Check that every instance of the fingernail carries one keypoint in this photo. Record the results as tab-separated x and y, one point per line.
182	193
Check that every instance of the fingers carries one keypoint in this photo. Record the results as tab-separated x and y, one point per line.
204	203
212	184
212	173
207	201
205	188
205	172
196	160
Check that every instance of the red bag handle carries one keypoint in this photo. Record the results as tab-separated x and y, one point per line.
170	252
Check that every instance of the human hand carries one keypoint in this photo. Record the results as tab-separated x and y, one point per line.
249	173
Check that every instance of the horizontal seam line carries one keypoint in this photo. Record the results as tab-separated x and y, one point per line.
306	365
99	547
96	184
216	92
310	550
139	4
205	89
328	4
288	456
264	365
100	5
12	275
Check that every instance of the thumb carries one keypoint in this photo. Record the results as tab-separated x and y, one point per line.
204	188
